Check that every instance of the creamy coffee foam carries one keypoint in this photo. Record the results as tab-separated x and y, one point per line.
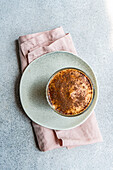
70	92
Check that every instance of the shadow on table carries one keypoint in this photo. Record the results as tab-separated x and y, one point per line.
17	82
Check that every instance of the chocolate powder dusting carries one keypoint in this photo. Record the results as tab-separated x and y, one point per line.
70	92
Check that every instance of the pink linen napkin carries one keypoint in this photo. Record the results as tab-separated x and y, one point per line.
33	46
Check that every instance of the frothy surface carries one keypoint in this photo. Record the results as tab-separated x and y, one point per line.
70	92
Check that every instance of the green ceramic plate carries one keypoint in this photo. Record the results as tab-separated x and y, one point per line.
33	90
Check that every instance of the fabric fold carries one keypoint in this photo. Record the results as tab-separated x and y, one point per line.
62	44
42	39
84	134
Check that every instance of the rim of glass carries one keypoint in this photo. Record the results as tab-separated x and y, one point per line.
51	104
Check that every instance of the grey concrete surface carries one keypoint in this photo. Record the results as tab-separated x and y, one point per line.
90	27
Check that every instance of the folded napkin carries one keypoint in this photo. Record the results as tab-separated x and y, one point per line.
33	46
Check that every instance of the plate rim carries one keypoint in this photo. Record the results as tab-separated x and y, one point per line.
97	90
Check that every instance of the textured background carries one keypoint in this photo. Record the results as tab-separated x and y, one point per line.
91	26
